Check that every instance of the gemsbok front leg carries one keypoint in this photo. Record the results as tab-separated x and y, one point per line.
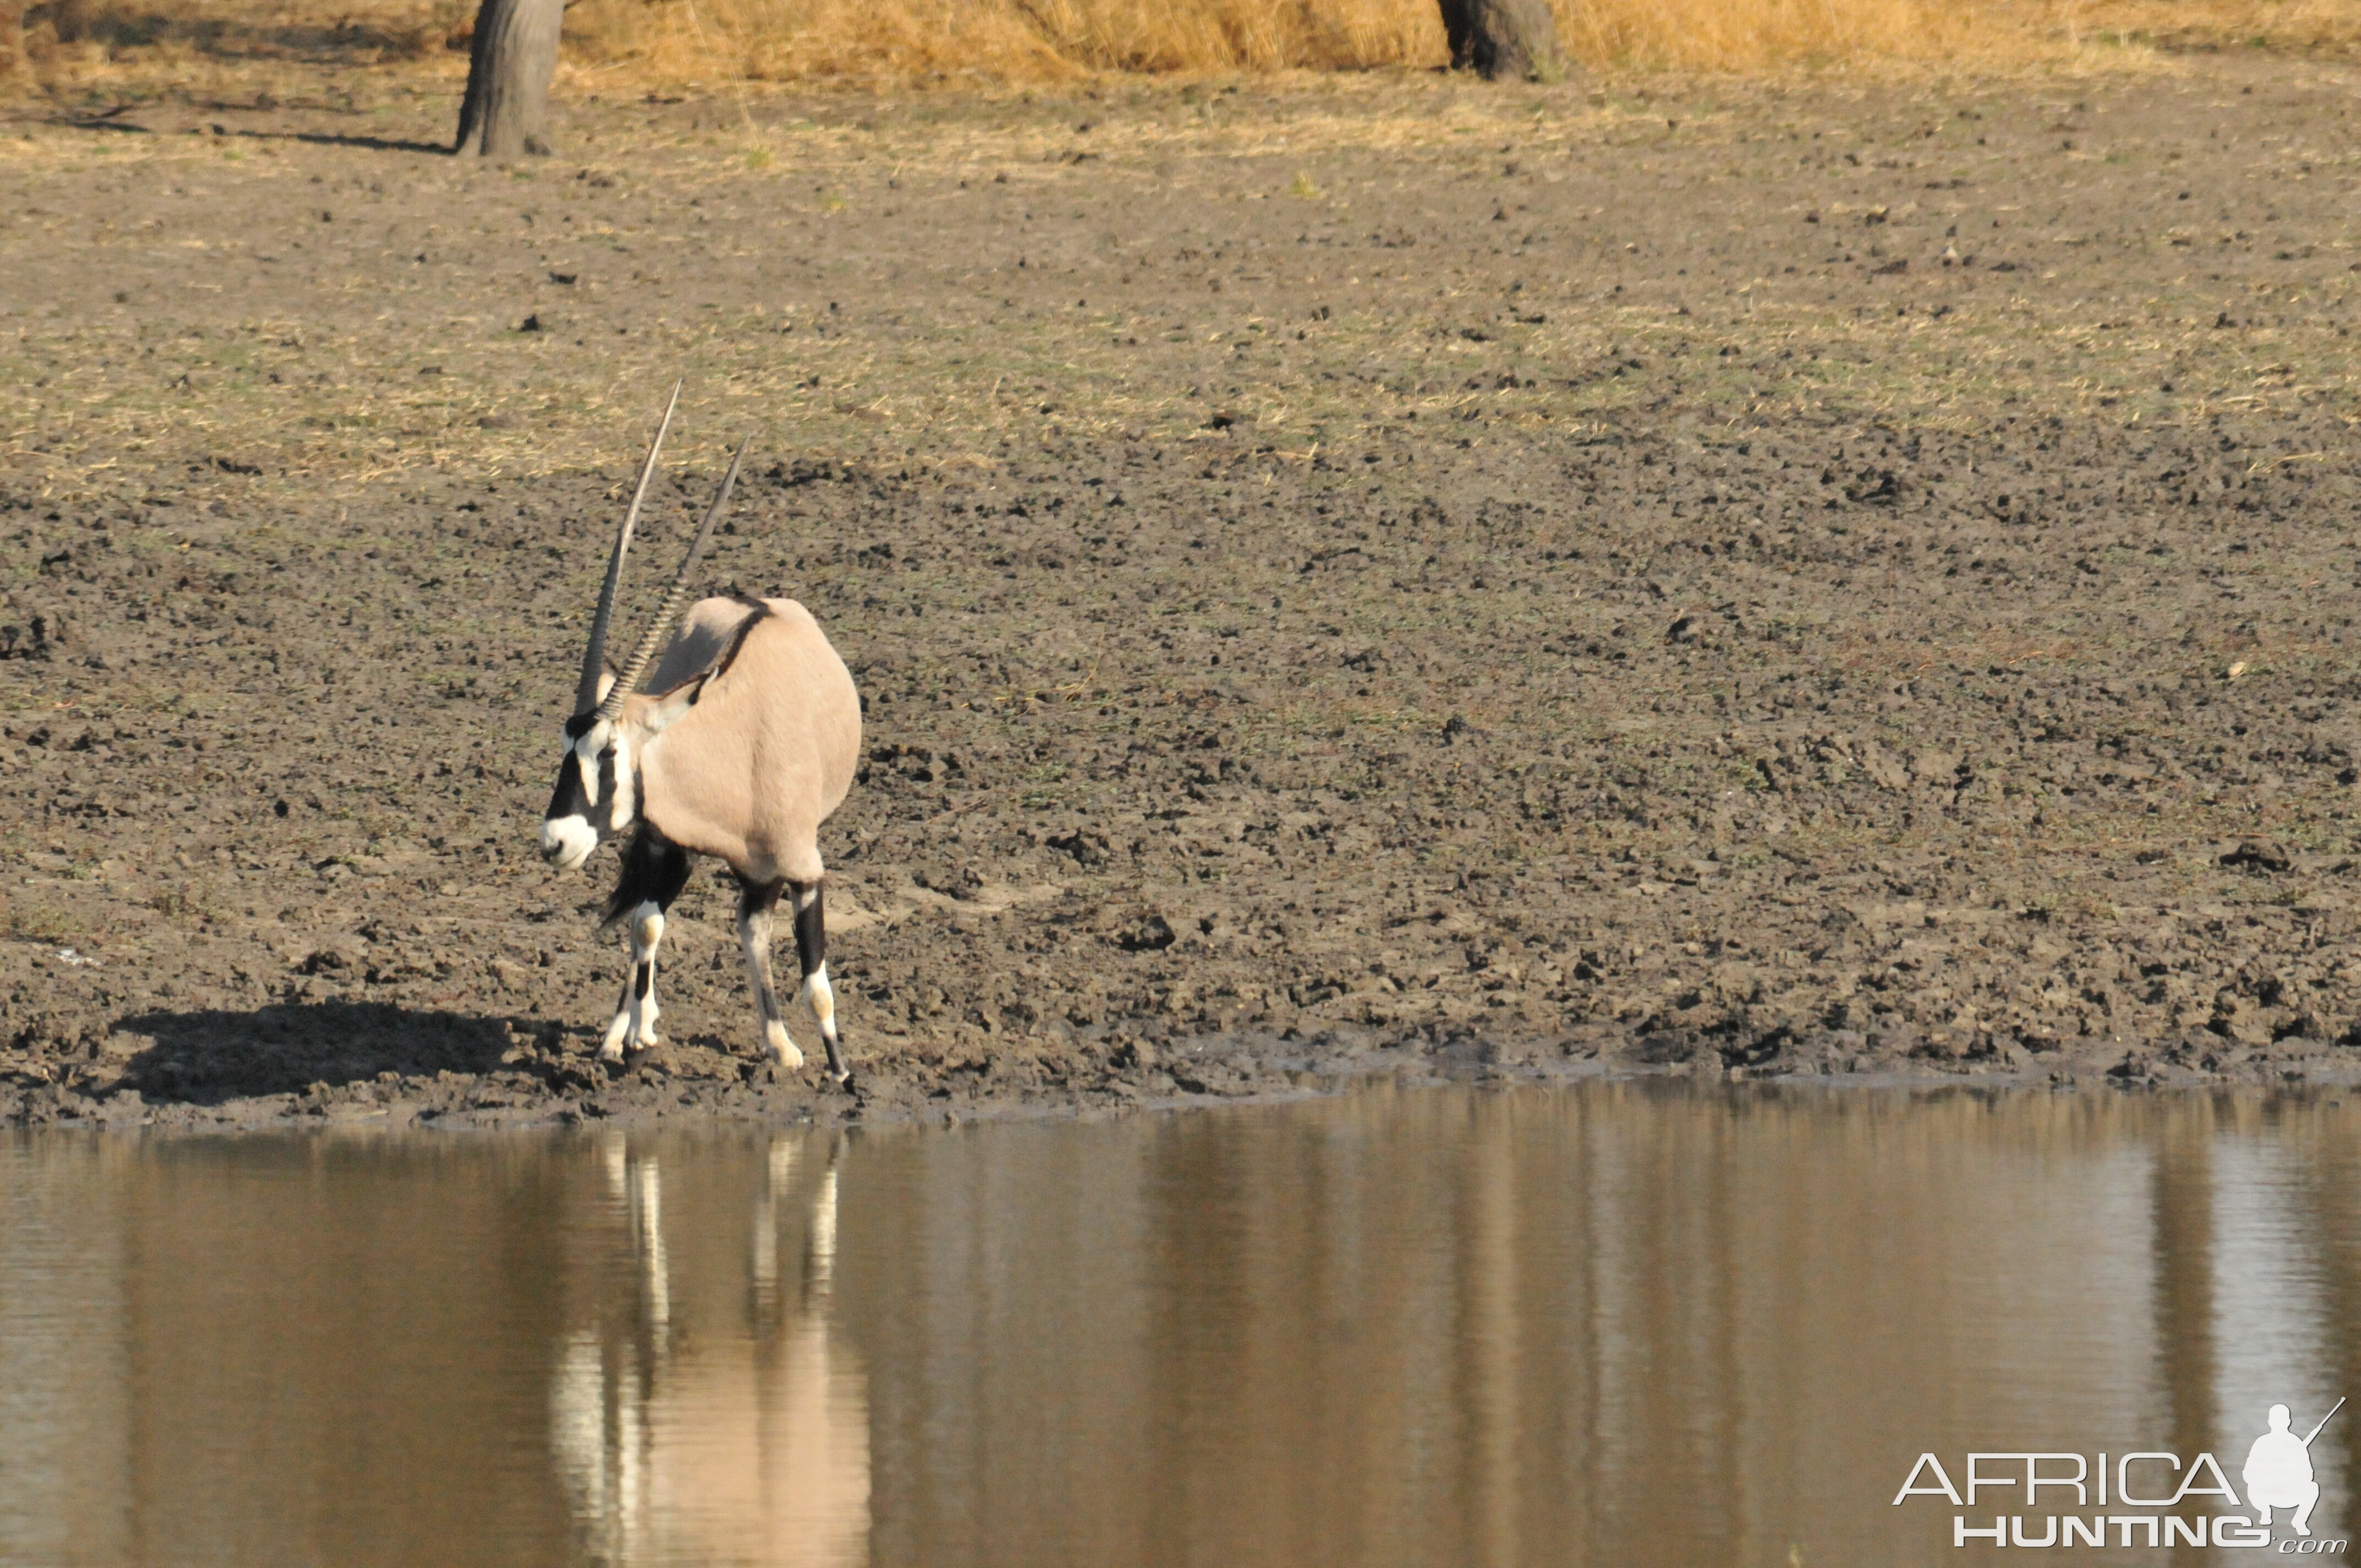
756	900
655	871
811	952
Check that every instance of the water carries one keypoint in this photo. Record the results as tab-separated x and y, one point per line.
1614	1325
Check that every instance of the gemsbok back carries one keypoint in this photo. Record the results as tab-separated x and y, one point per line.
743	743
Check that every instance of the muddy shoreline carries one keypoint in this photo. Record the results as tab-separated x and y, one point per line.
1210	1073
1818	583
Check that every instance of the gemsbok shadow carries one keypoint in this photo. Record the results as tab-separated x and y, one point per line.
210	1055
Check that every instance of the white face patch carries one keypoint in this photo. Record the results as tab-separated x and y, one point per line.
626	804
585	761
567	842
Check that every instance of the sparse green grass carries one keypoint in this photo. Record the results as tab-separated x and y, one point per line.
31	922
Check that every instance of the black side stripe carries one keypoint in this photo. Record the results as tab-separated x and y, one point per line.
738	638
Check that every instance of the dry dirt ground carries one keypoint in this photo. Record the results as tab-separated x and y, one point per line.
1784	581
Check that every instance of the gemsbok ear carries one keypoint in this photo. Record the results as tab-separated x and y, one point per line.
664	711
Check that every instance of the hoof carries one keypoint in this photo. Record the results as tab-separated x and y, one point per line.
784	1056
611	1055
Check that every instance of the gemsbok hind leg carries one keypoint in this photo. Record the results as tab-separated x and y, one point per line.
756	900
655	871
811	952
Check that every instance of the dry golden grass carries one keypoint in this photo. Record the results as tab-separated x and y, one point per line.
916	42
1019	39
66	44
1000	40
2326	26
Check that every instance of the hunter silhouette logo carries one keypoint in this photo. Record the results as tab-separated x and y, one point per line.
2148	1497
2278	1471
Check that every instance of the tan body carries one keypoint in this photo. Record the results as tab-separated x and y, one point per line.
746	743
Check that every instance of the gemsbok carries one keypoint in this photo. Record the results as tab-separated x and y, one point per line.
743	743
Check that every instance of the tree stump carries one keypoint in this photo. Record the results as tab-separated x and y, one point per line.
510	66
1510	40
16	49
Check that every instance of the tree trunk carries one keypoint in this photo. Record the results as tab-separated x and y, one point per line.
509	70
1512	40
16	49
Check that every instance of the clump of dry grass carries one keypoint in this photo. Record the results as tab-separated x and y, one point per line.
1751	35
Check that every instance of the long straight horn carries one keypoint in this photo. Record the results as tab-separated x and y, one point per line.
586	692
626	682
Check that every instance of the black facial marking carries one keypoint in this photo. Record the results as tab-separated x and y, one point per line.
566	799
569	799
579	725
606	806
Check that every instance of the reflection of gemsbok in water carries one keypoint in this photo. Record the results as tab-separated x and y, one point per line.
707	1417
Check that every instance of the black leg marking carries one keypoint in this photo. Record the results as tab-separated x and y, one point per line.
758	897
811	952
812	928
655	871
755	903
